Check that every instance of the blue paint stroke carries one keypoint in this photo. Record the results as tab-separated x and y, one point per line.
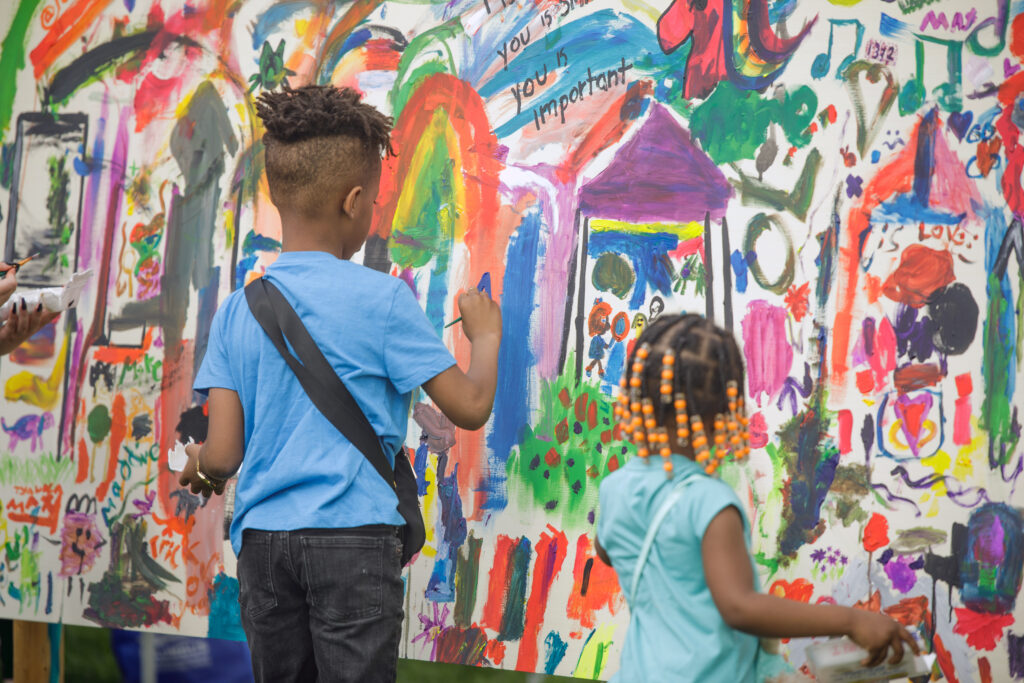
511	403
274	17
554	652
251	245
647	254
739	269
452	524
225	619
599	41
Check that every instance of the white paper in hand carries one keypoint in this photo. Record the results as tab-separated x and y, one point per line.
177	458
53	299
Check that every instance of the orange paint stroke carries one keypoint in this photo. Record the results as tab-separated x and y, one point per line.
68	28
114	355
593	588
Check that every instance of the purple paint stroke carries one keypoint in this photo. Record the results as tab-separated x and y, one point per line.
901	574
767	350
659	175
558	244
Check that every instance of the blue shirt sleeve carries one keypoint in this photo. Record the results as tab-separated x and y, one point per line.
215	370
413	353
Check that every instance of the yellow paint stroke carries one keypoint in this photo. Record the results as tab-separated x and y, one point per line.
33	389
410	201
594	657
683	231
429	504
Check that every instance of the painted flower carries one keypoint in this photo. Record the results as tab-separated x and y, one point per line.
433	627
796	300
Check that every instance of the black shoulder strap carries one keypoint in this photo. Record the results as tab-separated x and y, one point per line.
321	383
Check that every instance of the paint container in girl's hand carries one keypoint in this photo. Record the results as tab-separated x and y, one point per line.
838	660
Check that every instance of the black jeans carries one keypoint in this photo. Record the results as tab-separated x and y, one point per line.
322	604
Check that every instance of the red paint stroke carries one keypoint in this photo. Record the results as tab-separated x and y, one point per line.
495	651
945	660
958	195
175	398
706	65
379	54
551	550
39	505
917	376
910	611
982	630
68	28
591	590
798	590
497	584
922	270
83	462
876	533
758	430
845	430
962	416
796	300
694	245
1009	91
608	129
118	430
984	670
884	359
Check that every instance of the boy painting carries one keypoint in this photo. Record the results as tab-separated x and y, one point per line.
315	526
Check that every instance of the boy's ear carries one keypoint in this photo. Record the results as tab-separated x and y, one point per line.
348	204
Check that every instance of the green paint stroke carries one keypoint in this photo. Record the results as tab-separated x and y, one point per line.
12	60
612	273
99	423
749	116
467	572
594	656
995	412
562	459
57	199
432	222
26	472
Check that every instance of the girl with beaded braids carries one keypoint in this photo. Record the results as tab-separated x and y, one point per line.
678	538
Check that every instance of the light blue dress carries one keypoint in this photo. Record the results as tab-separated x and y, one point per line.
675	631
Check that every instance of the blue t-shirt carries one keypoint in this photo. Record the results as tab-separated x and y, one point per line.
299	472
675	631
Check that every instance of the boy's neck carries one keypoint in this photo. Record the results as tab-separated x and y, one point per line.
305	234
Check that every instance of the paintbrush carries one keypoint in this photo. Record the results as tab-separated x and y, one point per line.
18	264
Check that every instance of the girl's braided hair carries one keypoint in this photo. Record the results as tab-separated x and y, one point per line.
686	366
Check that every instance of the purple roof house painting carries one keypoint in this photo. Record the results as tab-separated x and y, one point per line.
659	175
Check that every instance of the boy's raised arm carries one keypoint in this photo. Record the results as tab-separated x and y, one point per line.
466	398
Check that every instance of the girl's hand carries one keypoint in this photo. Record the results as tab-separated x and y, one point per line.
8	284
22	324
876	633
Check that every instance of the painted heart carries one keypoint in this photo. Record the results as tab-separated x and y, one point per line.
960	122
988	155
912	413
874	73
1009	68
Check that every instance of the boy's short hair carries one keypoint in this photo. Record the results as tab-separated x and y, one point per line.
319	139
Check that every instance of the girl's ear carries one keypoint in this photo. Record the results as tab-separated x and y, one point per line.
351	201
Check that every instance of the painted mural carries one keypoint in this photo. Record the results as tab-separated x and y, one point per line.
840	183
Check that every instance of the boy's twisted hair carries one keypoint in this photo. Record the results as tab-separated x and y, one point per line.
316	111
319	140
